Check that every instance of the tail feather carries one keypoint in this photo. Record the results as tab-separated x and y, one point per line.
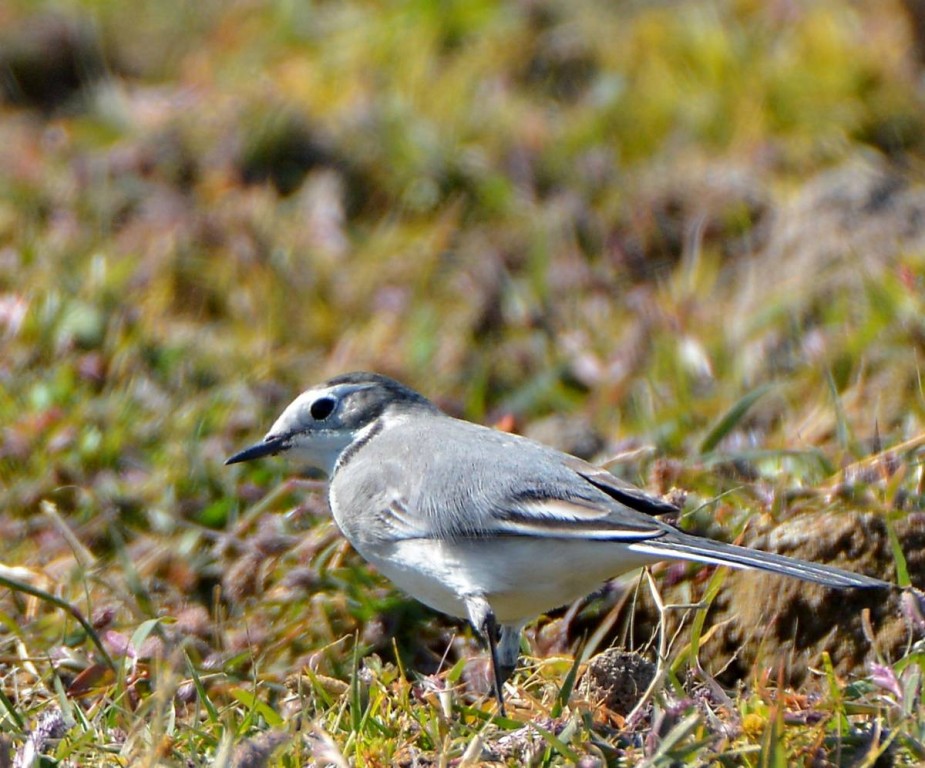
685	547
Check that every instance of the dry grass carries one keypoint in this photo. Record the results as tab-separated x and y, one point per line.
683	224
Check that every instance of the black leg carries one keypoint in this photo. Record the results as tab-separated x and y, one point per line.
508	650
485	623
490	630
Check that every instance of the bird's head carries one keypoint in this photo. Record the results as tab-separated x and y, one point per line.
322	422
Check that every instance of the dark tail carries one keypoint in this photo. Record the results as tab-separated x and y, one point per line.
686	547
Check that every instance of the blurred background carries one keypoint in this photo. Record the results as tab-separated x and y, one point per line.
689	234
636	211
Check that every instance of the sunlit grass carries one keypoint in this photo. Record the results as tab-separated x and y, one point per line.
626	214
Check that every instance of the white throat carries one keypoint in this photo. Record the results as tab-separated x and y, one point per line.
321	449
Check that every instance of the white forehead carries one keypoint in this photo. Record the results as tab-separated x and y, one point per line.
297	414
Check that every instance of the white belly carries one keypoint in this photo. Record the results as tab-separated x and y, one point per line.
520	577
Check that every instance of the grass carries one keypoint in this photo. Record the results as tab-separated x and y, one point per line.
690	229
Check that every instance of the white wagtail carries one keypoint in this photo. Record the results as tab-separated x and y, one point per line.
481	524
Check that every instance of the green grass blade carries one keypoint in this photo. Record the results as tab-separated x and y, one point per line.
731	418
556	743
568	686
902	569
673	739
713	588
41	594
201	691
842	429
249	699
11	711
356	706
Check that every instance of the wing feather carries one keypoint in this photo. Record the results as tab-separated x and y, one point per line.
570	500
620	490
567	519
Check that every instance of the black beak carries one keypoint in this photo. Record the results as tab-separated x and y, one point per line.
268	447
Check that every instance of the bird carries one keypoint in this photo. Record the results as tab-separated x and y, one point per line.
481	524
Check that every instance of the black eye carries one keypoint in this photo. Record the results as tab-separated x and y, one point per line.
322	408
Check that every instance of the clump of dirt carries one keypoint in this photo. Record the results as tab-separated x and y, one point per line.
48	60
616	680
